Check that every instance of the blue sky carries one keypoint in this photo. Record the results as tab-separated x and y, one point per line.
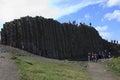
103	14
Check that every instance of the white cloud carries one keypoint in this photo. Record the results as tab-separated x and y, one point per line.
16	8
113	15
103	31
12	9
105	35
111	3
103	28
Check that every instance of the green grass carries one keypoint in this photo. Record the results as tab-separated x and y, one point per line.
31	70
115	65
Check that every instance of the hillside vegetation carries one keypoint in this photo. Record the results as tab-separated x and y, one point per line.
115	65
33	70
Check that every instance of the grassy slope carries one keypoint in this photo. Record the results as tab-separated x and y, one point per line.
30	70
115	65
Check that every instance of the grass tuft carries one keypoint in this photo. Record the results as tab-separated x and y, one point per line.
115	65
14	57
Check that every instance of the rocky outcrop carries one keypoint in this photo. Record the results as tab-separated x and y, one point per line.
49	38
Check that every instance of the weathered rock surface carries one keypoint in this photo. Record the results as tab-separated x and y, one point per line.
49	38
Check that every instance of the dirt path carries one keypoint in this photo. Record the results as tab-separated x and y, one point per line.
8	69
98	72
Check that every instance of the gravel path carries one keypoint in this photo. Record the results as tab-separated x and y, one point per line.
8	69
98	72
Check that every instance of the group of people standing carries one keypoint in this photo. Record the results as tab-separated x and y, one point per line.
100	55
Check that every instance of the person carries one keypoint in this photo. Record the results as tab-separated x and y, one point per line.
92	57
95	57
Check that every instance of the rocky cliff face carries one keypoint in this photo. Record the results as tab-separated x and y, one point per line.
49	38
